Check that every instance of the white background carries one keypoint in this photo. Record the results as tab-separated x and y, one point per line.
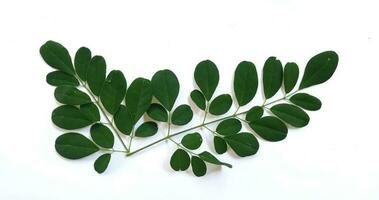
334	157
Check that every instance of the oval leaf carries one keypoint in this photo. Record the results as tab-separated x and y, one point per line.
113	92
206	77
96	72
146	129
220	145
70	117
229	127
58	78
220	105
82	59
123	120
157	112
180	160
306	101
138	97
245	82
102	136
209	158
198	166
165	88
270	128
272	76
243	144
291	74
74	146
57	56
71	95
102	163
291	114
90	111
254	113
199	99
182	115
192	141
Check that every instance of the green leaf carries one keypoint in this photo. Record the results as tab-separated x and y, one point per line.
229	127
138	97
102	136
206	77
291	114
157	112
82	59
123	120
306	101
319	69
272	76
254	113
192	141
209	158
113	92
199	99
74	146
220	145
71	95
245	82
57	56
146	129
180	160
58	78
243	144
70	117
220	105
198	166
96	72
91	111
165	88
102	163
182	115
270	128
291	74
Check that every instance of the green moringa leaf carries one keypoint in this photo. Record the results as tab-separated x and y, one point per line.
58	78
291	114
290	76
220	105
182	115
229	127
270	128
57	56
96	72
245	82
209	158
74	146
157	112
306	101
91	111
147	129
102	163
138	97
243	144
198	166
199	99
254	113
206	77
165	88
123	120
102	136
272	76
71	95
192	141
319	69
81	61
180	160
113	92
70	117
220	145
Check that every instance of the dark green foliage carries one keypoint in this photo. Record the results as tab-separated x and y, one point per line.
91	111
306	101
102	136
220	105
146	129
270	128
102	163
74	146
165	88
96	73
57	56
192	141
199	99
198	166
71	95
123	120
220	145
209	158
254	113
290	76
58	78
138	97
81	61
182	115
272	76
157	112
113	91
245	82
70	117
180	160
291	114
207	77
229	127
243	144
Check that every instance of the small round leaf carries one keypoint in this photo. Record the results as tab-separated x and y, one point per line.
70	117
291	114
272	76
123	120
207	77
113	91
199	99
306	101
138	97
290	76
270	128
254	113
57	56
146	129
220	145
71	95
102	136
243	144
96	72
182	115
58	78
198	166
91	111
220	105
180	160
165	88
74	146
245	82
102	163
192	141
229	127
157	112
81	61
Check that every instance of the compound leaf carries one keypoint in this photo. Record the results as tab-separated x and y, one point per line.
270	128
182	115
180	160
81	61
71	95
272	76
229	127
291	114
147	129
102	136
290	76
245	82
58	78
74	146
192	141
165	88
199	99
306	101
243	144
102	162
138	97
207	77
96	72
220	105
157	112
57	56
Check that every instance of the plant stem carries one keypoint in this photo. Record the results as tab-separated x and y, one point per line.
131	138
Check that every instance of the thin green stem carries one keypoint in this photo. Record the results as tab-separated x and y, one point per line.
182	147
131	139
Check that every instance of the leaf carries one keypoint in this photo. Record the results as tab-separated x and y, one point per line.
198	166
71	95
291	114
180	160
291	74
165	88
243	144
70	117
123	120
58	78
157	112
229	127
57	56
220	105
206	77
102	163
209	158
138	97
254	113
90	111
182	115
81	61
270	128
192	141
102	136
199	99
96	72
245	82
74	146
146	129
220	145
306	101
319	69
113	91
272	76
